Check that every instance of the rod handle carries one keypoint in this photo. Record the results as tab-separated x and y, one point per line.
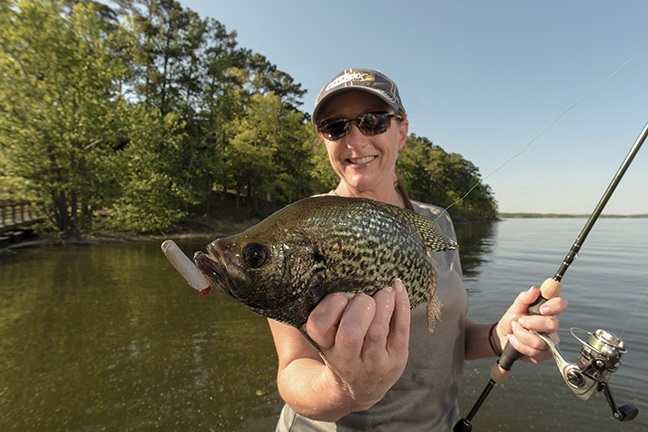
550	288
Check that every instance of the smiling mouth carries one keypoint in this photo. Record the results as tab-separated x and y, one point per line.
362	160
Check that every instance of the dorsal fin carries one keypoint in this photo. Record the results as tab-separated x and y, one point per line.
434	239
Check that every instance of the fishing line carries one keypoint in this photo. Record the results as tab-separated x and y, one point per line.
634	312
524	149
584	377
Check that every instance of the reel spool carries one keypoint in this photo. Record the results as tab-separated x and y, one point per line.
600	356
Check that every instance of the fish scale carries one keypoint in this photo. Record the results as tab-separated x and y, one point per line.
283	266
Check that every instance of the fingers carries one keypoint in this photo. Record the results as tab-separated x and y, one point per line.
379	327
538	323
519	308
342	322
525	299
363	340
388	334
554	306
354	325
533	349
398	341
374	329
323	321
519	327
530	344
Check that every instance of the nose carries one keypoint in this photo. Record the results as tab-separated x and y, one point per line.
355	138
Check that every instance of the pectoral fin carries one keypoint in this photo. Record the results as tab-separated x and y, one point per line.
433	313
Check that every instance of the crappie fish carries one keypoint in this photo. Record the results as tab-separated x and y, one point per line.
282	267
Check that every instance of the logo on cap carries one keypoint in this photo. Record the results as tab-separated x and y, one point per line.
350	77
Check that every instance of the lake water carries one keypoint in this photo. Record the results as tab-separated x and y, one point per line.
109	337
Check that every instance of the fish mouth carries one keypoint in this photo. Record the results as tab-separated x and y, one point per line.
213	268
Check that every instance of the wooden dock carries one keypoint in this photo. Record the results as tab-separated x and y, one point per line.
16	219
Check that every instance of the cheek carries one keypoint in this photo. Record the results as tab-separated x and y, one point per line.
330	150
390	147
333	154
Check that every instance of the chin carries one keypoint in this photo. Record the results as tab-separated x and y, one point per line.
360	184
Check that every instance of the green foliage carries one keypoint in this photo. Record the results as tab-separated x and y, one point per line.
268	154
445	179
151	173
57	102
323	177
142	111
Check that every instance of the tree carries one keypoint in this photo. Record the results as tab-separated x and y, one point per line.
268	154
166	49
60	110
164	40
146	110
152	194
445	179
194	68
322	176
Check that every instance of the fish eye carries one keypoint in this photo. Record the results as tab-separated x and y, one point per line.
255	255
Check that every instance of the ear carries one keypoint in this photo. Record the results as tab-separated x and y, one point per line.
403	131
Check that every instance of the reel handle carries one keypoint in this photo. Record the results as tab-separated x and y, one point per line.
625	412
549	289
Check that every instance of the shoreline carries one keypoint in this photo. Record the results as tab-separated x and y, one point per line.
192	229
221	227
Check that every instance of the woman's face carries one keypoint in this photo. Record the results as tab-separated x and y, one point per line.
365	164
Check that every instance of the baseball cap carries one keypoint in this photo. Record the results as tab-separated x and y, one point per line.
369	80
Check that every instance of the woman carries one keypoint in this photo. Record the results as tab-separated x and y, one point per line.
384	370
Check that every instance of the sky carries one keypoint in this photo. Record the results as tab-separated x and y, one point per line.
545	98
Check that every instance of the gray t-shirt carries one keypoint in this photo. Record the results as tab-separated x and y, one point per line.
425	397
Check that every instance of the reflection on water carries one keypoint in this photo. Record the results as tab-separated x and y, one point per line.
604	286
109	337
475	243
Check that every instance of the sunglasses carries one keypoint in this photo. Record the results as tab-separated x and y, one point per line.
368	123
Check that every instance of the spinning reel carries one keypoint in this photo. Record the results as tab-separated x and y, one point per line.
600	356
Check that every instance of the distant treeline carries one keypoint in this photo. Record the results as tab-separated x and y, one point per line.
565	216
141	109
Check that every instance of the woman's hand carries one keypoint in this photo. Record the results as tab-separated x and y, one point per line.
516	324
364	341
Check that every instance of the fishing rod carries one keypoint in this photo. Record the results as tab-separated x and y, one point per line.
600	354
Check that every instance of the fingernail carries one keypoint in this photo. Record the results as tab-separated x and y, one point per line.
545	310
388	289
398	285
350	295
520	320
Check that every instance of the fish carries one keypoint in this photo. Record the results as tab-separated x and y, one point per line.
282	267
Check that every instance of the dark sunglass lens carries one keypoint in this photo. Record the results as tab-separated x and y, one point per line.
336	129
368	123
373	124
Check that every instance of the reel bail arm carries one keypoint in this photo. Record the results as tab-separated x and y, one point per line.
600	357
501	369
